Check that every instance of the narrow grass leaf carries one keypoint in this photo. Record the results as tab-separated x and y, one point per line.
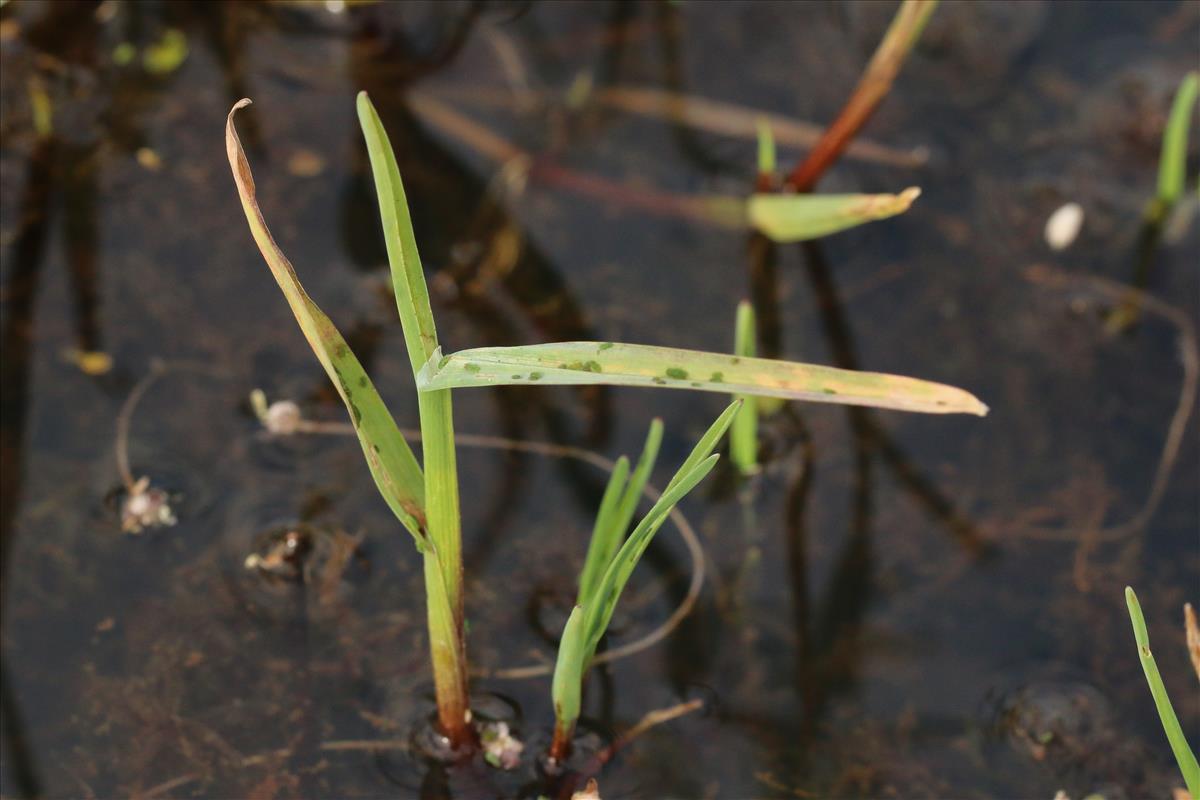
604	541
389	457
743	435
420	337
641	474
622	566
766	147
797	217
1179	745
408	277
574	363
707	443
1172	163
567	685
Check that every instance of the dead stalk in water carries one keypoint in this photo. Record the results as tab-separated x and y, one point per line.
872	87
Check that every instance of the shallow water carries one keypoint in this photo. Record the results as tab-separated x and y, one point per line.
899	606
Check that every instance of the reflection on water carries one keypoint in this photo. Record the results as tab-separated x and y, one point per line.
898	605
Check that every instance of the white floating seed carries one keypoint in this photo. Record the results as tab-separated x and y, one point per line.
1063	226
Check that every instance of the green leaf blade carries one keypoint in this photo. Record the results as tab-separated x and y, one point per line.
743	435
566	687
593	363
1166	713
799	217
392	463
1172	163
619	571
408	277
443	522
604	541
637	482
706	443
766	147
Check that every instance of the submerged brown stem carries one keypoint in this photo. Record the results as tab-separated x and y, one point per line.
560	745
872	87
501	151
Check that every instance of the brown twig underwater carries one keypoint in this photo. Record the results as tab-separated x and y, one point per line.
1189	355
713	116
873	86
650	720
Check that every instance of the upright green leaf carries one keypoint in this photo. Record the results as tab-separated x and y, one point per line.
389	457
693	470
420	337
567	685
616	511
743	435
766	147
706	443
604	541
798	217
608	592
573	363
1172	163
1179	745
408	277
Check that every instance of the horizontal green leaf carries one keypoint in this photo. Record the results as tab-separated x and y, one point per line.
389	457
574	363
797	217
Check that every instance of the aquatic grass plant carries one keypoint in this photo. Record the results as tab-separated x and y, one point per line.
1172	178
1172	161
1179	745
613	557
743	436
424	496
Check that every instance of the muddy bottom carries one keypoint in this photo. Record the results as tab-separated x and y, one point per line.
898	606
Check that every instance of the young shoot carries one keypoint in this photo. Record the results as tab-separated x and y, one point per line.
743	436
1172	161
614	558
1179	745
